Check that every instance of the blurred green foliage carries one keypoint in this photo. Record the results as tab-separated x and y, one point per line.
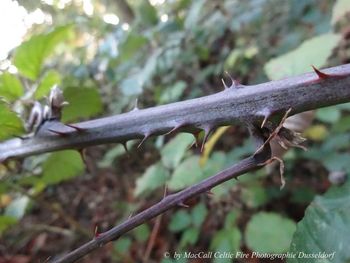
174	51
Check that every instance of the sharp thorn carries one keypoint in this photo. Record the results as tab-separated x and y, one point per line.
174	129
209	193
234	83
143	140
182	204
136	105
58	132
82	153
207	132
96	233
78	129
125	146
165	191
130	216
264	121
225	86
196	140
319	73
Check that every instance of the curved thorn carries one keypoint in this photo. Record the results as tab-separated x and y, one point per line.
319	73
78	129
225	86
82	153
58	132
125	146
196	140
234	83
143	140
207	132
175	128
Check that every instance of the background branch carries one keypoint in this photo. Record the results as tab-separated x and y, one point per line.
168	202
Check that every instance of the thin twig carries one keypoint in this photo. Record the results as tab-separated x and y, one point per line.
168	202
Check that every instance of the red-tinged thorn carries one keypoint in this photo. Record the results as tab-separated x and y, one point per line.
78	129
58	132
182	204
209	193
96	233
143	140
320	74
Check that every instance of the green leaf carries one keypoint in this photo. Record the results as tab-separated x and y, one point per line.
187	173
199	212
179	221
173	93
147	14
6	222
61	166
114	153
328	114
325	227
51	78
314	51
122	245
132	44
154	177
342	126
231	218
132	85
10	87
226	240
194	14
269	233
254	196
340	8
10	123
83	103
30	55
189	237
173	152
141	233
17	207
